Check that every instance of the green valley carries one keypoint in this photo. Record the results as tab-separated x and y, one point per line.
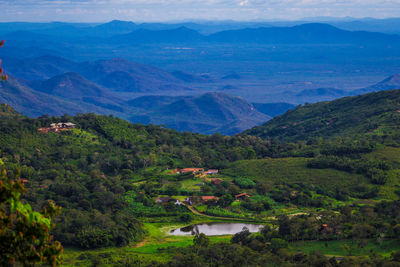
323	184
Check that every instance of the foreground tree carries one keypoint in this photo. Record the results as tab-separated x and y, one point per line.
200	241
25	234
3	76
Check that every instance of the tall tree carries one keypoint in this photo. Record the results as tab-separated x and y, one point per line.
25	234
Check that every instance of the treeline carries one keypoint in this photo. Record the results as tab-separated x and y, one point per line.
349	222
375	170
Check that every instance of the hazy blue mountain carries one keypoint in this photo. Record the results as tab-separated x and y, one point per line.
34	103
128	76
69	85
178	35
232	76
207	113
191	78
121	81
317	33
322	92
153	102
273	109
389	25
392	82
114	27
39	68
115	74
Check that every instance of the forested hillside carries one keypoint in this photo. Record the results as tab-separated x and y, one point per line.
374	114
88	170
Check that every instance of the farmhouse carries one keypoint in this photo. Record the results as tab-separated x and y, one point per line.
209	198
193	170
189	201
325	229
242	196
163	199
58	127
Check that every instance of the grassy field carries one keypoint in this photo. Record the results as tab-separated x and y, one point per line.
192	184
292	170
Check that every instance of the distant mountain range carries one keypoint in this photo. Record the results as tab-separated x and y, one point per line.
327	94
317	33
116	74
390	25
119	32
55	86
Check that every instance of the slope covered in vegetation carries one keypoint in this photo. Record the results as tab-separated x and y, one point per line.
375	113
89	170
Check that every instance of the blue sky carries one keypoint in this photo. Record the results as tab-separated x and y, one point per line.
173	10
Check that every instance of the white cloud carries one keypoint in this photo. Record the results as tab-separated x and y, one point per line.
244	2
161	10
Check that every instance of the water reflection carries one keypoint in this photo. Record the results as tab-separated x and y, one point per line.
216	229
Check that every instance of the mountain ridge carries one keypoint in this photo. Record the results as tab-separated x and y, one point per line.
348	116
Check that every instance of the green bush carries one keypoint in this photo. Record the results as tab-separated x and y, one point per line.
245	183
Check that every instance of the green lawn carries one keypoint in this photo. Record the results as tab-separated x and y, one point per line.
190	184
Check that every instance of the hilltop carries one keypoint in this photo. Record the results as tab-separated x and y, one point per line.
207	113
373	113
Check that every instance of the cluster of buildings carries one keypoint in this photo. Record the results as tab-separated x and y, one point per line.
195	171
58	127
203	199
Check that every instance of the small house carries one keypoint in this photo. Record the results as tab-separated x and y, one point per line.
163	199
212	172
63	125
192	170
57	127
325	229
242	196
189	201
178	202
209	198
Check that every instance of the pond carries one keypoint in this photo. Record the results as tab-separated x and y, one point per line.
216	229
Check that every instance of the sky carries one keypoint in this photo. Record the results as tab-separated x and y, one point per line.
178	10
